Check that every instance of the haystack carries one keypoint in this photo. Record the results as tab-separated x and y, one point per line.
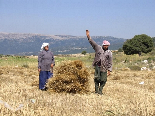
70	77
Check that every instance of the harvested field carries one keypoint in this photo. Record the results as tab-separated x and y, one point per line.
124	95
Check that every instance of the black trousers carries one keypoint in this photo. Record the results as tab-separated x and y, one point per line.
100	79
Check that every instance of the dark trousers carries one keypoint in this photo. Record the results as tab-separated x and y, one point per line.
100	79
43	77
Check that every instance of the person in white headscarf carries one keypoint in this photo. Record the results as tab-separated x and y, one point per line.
44	45
45	65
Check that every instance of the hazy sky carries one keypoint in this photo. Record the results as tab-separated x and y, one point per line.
118	18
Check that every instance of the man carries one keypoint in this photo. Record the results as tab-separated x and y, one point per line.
45	65
102	63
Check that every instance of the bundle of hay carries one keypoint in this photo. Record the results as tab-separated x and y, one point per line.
70	77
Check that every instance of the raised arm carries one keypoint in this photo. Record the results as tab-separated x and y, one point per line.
92	42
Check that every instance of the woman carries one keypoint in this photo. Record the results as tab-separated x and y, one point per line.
45	65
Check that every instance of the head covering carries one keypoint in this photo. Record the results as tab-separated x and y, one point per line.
44	45
106	43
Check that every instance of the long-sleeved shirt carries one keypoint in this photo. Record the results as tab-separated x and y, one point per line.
45	59
101	56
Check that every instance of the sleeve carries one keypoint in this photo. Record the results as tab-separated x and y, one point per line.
93	43
53	61
110	61
39	60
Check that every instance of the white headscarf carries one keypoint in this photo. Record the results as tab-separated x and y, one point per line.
44	45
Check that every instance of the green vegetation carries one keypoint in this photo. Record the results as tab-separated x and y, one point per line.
25	65
136	68
120	60
84	52
8	60
153	38
120	50
1	55
138	44
87	59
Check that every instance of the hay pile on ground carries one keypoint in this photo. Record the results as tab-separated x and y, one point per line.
70	77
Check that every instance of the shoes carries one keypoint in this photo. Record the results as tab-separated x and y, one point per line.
44	89
98	93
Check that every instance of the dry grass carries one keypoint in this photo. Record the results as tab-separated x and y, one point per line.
123	95
70	77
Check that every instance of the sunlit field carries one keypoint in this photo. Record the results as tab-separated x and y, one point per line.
129	91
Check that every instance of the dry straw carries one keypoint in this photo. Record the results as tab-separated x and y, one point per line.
70	77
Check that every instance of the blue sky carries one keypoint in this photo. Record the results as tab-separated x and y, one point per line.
118	18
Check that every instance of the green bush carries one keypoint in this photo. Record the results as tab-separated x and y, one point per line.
135	68
1	55
120	50
150	59
25	65
84	52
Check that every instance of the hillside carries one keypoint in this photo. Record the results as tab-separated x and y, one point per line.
29	44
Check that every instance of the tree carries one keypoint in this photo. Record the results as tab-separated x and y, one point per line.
84	52
139	43
153	40
120	50
1	55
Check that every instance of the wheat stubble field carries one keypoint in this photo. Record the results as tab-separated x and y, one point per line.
126	93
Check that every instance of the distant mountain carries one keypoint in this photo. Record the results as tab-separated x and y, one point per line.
29	44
